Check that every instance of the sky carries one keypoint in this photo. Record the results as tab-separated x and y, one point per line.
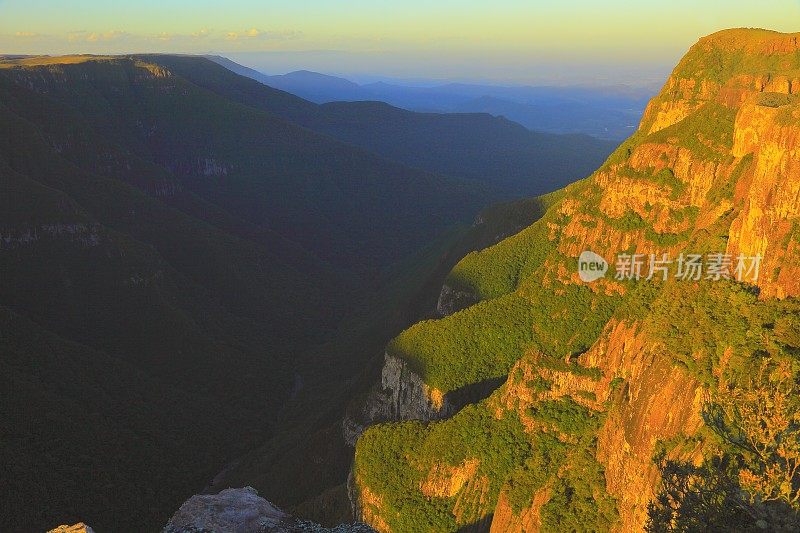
513	41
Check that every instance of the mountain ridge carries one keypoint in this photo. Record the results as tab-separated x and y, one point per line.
607	112
471	146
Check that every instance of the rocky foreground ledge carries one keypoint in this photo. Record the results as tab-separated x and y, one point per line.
234	511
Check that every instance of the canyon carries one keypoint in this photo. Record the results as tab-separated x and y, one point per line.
200	274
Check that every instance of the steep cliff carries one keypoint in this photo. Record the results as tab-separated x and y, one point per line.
401	395
607	381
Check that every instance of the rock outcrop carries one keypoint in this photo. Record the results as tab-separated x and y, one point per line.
452	300
410	398
646	400
401	395
242	511
230	510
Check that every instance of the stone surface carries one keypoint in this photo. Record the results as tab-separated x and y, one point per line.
401	395
235	510
242	511
452	300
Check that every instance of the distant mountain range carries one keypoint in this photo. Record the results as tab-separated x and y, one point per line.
606	112
497	152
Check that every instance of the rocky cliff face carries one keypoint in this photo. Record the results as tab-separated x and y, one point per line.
714	167
410	398
401	395
452	300
645	400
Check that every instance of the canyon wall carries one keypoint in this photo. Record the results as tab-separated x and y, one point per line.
713	169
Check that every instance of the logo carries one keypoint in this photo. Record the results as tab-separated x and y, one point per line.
692	267
591	266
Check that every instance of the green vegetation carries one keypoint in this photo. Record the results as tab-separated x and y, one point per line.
724	334
578	501
560	365
697	322
624	151
479	343
496	271
748	480
630	221
483	341
787	114
571	475
518	313
707	132
775	99
698	498
548	454
743	348
566	416
569	320
666	239
539	384
520	214
664	177
394	459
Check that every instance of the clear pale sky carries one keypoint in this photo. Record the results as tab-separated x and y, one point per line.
510	40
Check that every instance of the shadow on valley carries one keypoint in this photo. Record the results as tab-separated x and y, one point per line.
474	392
481	526
197	268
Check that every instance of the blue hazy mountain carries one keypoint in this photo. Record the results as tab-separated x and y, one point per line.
607	112
478	146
